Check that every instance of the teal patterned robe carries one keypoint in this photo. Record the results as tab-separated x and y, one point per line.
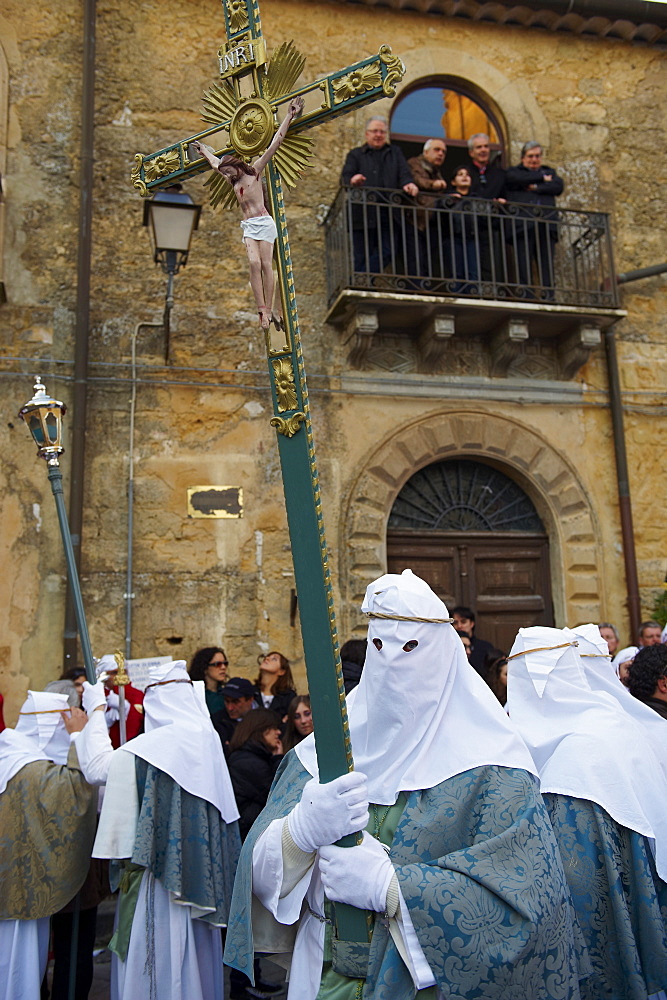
185	844
480	872
620	901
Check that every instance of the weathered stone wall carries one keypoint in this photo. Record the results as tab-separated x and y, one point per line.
596	105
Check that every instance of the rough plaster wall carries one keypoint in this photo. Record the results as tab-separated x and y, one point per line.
229	581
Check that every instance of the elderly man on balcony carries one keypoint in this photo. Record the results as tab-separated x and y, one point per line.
376	164
427	174
535	232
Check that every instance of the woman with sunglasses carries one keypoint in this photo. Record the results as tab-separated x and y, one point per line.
210	666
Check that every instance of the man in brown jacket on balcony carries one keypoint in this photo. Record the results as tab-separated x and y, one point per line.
427	174
426	170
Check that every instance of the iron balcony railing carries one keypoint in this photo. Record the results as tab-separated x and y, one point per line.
380	239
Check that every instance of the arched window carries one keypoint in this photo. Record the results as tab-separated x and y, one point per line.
474	535
463	495
444	108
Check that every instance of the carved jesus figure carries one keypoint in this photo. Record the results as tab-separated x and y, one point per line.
259	228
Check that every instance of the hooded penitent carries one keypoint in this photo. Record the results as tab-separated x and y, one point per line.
595	659
45	811
40	734
179	737
420	713
582	741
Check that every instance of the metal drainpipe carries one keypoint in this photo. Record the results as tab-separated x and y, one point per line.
129	573
641	272
80	390
629	555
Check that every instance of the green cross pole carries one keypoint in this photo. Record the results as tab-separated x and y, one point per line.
241	111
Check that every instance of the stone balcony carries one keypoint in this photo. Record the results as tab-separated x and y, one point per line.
521	291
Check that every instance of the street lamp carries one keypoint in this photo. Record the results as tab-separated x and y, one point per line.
44	415
172	217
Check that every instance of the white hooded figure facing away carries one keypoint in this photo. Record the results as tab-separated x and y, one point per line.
47	826
169	817
606	792
458	862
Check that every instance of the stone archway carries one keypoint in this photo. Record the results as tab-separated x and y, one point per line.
521	452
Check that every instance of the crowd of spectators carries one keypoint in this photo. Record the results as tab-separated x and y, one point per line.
453	234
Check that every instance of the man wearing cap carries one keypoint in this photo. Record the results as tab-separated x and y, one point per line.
604	784
458	864
169	817
239	697
47	825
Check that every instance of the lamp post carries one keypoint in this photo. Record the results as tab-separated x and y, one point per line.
43	415
172	217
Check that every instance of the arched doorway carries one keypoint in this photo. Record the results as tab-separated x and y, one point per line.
474	432
472	533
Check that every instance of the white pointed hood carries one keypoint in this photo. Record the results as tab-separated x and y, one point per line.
583	742
180	738
40	734
421	713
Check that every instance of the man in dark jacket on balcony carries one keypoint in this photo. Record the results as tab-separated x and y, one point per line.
488	182
535	231
376	164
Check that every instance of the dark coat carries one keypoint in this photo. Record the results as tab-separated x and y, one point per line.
479	651
657	704
462	222
493	183
280	702
518	179
252	768
224	727
382	168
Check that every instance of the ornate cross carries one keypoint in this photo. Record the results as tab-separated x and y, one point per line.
241	112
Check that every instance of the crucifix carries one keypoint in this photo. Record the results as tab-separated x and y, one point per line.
242	112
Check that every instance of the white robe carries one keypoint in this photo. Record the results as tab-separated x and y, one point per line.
24	952
188	953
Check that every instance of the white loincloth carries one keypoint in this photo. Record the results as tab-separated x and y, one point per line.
260	227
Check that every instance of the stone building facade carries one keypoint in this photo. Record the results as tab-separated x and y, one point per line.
532	408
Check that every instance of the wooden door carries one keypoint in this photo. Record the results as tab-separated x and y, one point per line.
504	577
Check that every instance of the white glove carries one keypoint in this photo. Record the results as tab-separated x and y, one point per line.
358	875
94	695
330	811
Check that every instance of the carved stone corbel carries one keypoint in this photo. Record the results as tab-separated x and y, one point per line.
359	332
575	349
506	344
434	336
